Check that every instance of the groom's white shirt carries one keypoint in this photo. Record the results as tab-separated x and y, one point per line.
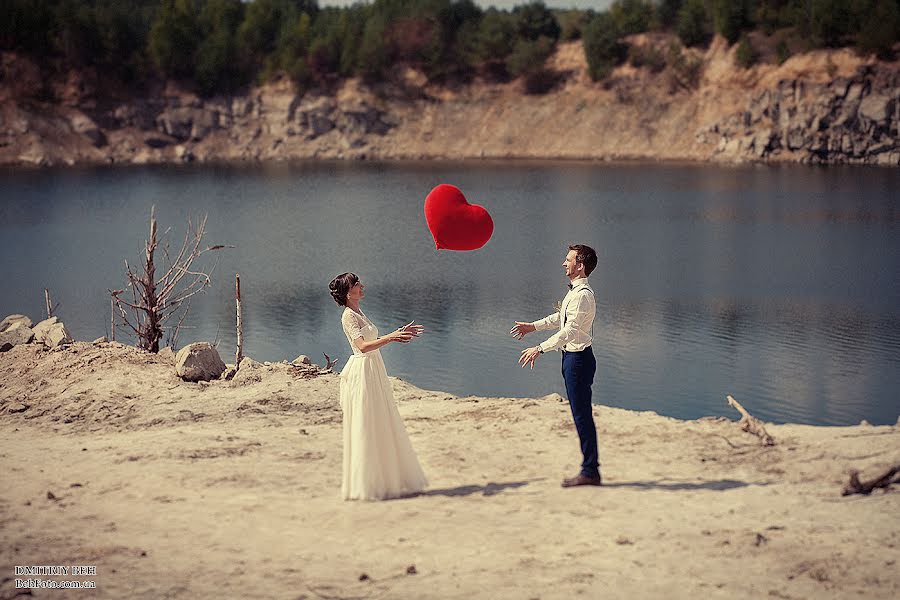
574	333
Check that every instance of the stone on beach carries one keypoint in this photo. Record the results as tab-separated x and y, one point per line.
52	333
248	363
58	336
198	362
167	354
11	320
15	330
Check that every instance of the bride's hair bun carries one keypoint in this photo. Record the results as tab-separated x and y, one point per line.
340	287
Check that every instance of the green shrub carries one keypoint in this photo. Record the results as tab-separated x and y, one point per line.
745	56
830	21
772	15
534	20
572	24
450	53
685	71
647	56
25	25
529	56
221	44
782	51
173	37
730	18
693	23
496	35
631	16
262	24
602	48
372	57
880	29
667	12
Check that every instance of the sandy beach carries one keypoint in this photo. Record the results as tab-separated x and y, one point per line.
231	489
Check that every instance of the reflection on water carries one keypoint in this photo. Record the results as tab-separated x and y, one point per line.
777	285
797	355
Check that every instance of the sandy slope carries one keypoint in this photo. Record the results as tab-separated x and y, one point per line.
231	489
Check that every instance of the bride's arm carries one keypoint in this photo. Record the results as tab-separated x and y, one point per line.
399	335
352	325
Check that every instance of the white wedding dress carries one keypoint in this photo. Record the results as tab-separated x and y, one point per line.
379	460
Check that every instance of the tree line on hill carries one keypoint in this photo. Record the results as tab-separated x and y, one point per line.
222	45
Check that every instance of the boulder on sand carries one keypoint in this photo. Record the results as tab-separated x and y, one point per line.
52	333
15	330
198	362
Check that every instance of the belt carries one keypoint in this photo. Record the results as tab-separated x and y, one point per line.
576	351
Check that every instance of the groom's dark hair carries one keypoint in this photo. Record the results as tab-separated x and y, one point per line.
586	256
340	287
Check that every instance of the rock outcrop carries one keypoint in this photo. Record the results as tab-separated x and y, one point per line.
827	106
847	120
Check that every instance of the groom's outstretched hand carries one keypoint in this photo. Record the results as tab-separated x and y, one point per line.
521	329
529	355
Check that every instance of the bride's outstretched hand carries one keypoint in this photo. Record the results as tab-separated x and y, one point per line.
400	336
412	329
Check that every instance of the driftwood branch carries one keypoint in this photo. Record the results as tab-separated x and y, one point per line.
751	424
329	365
866	487
308	371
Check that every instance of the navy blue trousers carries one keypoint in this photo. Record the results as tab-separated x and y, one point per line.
578	370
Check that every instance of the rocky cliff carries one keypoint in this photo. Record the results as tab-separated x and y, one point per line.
825	106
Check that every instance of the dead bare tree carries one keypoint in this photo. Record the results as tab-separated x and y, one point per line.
154	300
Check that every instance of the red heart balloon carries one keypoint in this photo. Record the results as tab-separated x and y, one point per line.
454	223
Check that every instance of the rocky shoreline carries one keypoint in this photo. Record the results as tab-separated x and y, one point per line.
822	107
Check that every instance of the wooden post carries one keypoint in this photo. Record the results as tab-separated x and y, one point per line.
112	319
47	301
239	354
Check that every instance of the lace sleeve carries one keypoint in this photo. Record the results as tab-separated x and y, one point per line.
351	325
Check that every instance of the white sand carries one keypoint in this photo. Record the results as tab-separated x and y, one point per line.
232	490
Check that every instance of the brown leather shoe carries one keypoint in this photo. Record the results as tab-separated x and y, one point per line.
581	479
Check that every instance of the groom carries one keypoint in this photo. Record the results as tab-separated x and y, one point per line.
575	320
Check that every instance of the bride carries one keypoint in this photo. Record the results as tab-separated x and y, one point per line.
379	461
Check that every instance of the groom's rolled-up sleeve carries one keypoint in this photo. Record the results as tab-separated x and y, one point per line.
579	312
548	322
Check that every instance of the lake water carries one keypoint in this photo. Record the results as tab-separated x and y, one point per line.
778	285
